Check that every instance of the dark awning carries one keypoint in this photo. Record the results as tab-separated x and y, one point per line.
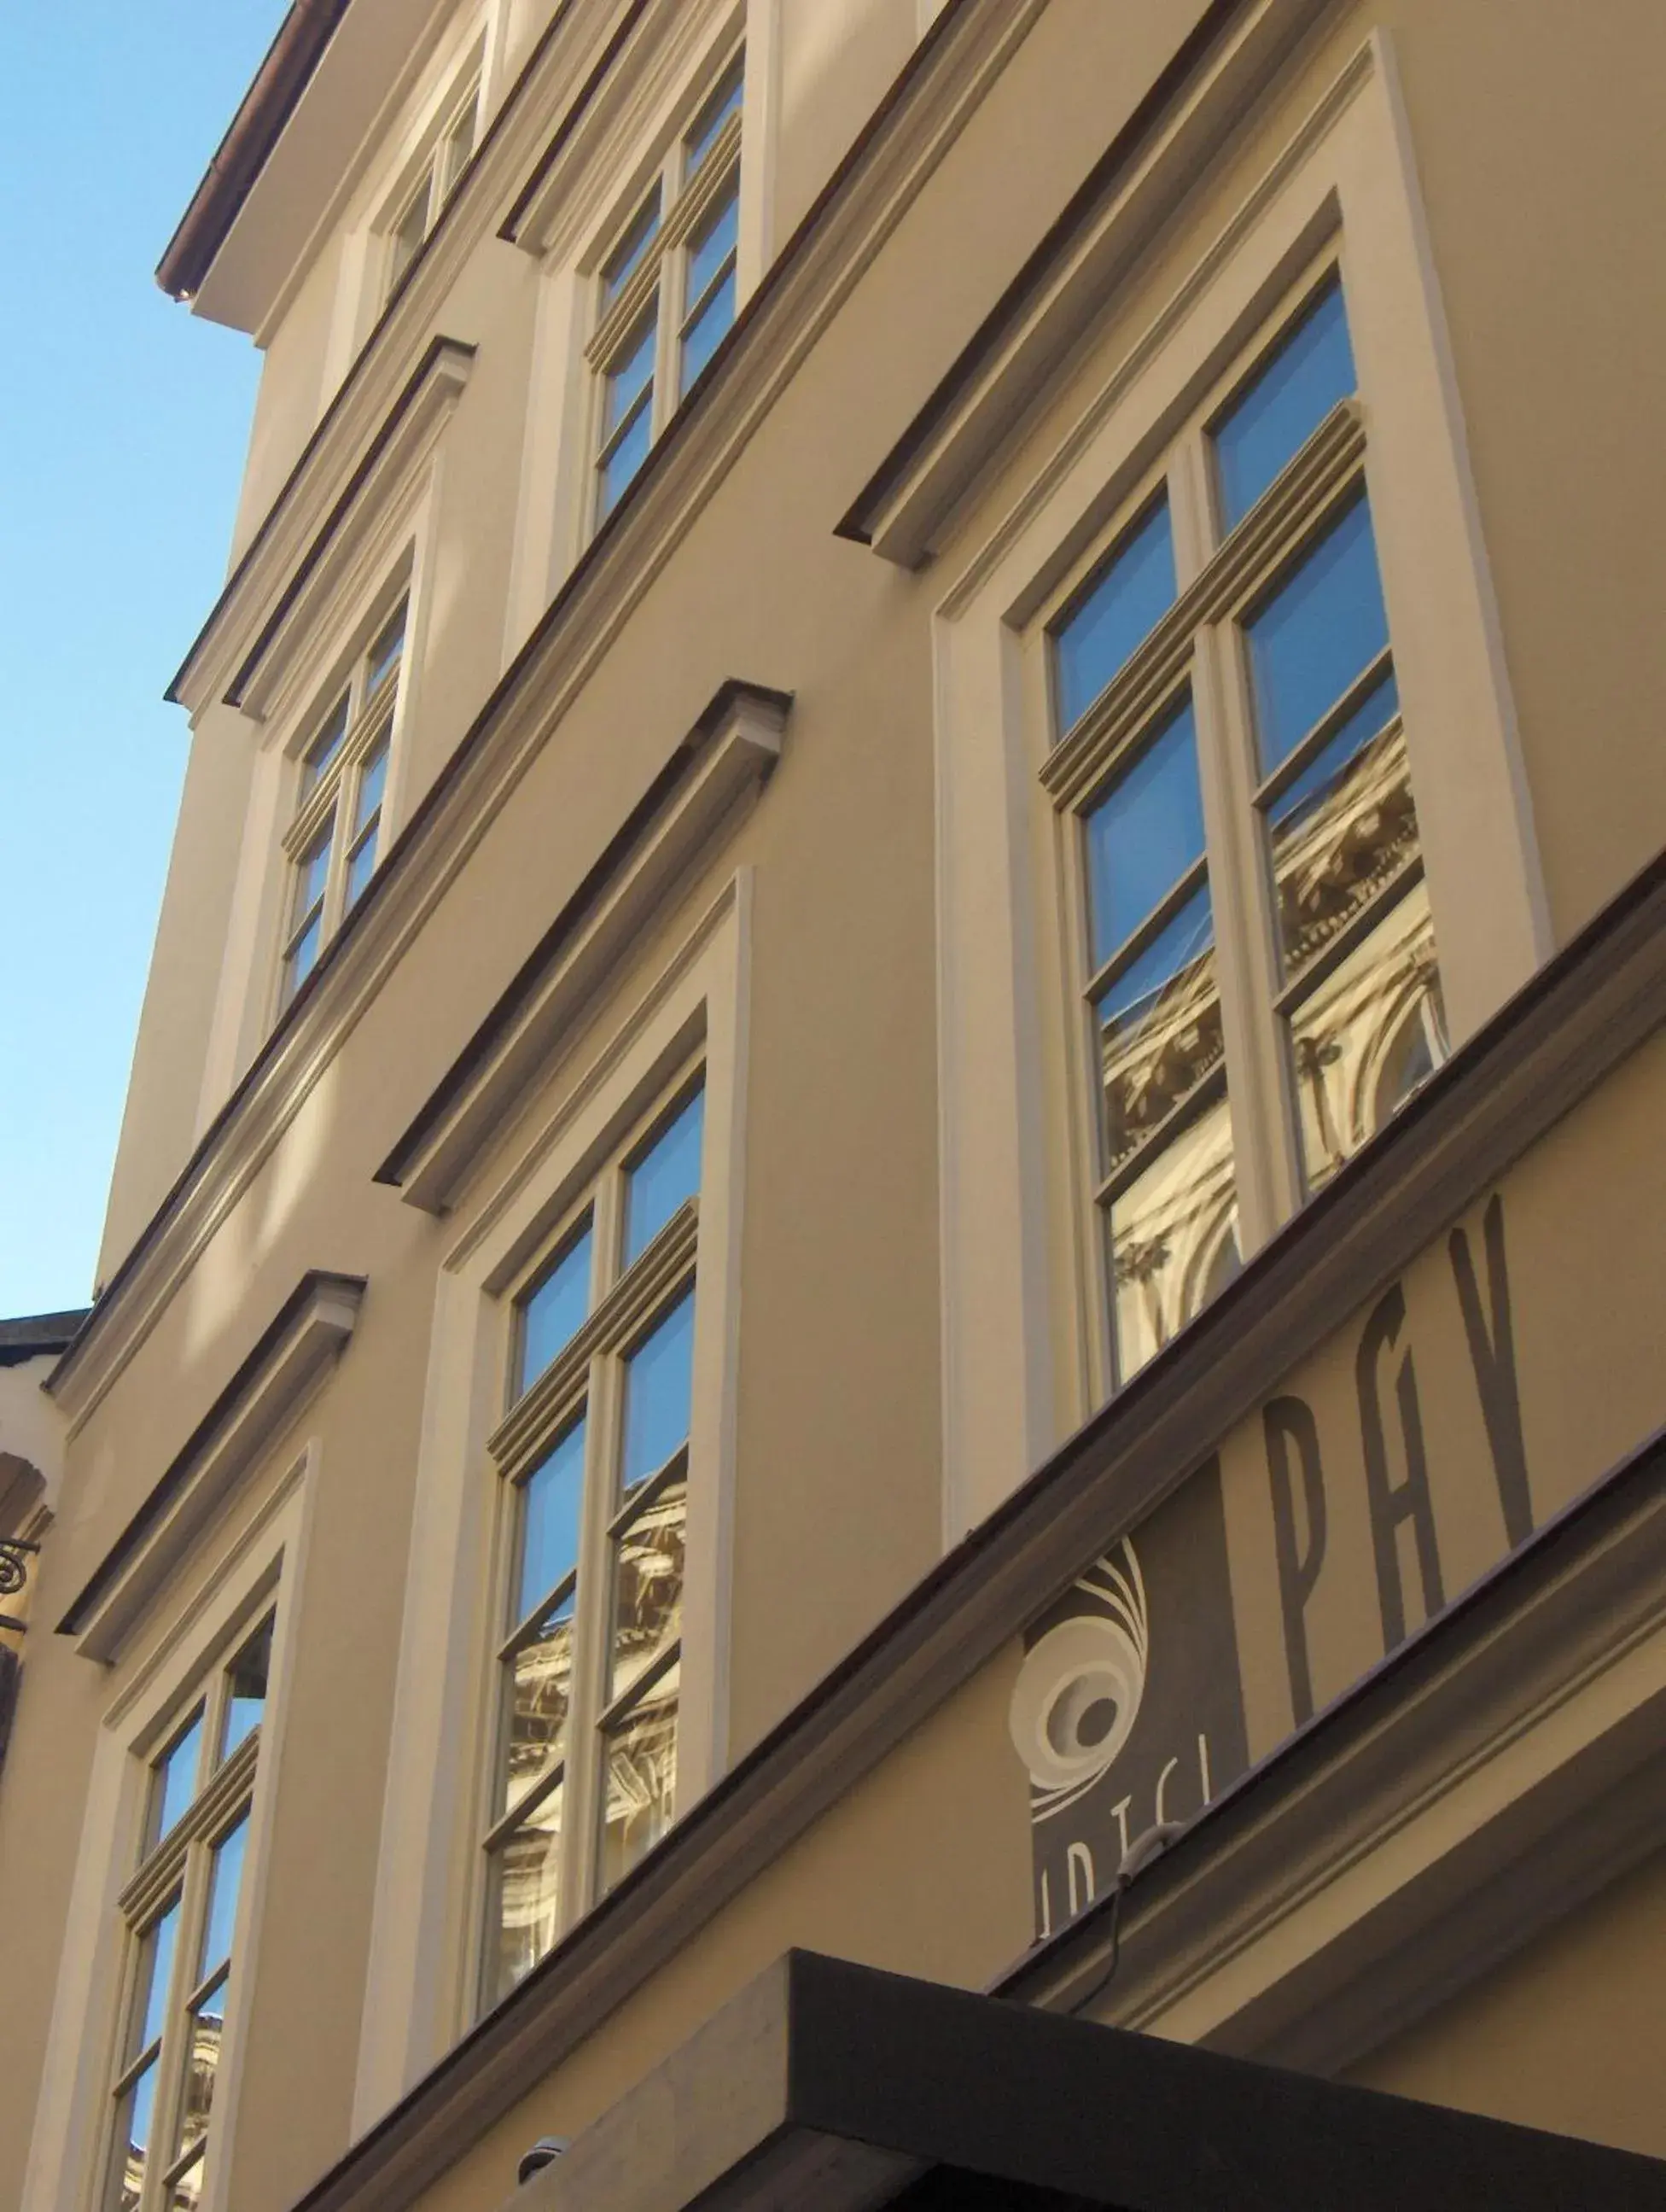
826	2087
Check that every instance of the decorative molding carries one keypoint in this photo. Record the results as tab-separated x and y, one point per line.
1553	1045
726	756
1203	94
305	1338
839	238
286	573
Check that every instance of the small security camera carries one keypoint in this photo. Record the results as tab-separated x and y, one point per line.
543	2152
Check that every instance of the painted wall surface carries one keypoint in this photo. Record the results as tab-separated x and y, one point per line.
1436	1433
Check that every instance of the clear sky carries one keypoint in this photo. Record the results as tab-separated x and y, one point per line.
123	422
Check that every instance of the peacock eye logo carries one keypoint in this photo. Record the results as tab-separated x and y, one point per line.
1079	1691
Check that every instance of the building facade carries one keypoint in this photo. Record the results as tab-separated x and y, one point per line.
893	1184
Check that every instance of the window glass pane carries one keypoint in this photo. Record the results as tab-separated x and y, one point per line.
245	1687
540	1699
154	1977
703	133
665	1177
186	2191
1372	1033
410	231
627	256
460	142
325	746
1317	635
1344	830
528	1871
384	655
312	873
205	2031
303	957
176	1776
371	778
1133	591
1159	1027
620	468
631	376
133	2130
1270	423
707	331
551	1498
712	244
361	866
224	1880
1144	834
647	1612
641	1779
553	1310
657	1380
1173	1238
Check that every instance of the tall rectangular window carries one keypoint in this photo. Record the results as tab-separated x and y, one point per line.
594	1457
334	838
1334	948
666	294
180	1907
416	215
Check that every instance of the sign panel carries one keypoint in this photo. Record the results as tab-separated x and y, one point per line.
1513	1364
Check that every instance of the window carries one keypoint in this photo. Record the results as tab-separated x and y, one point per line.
180	1907
1230	769
419	211
594	1456
336	833
667	288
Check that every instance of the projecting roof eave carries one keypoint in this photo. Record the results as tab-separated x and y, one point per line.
242	153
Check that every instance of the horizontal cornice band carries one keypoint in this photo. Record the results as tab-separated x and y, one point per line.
1500	1092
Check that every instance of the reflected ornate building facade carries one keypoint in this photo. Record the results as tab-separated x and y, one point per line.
892	1185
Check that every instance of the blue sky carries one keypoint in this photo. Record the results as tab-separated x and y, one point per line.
123	422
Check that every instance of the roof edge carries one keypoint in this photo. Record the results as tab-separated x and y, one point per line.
291	61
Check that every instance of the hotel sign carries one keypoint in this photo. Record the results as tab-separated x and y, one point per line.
1510	1366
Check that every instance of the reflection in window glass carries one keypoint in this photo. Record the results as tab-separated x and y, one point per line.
176	1773
224	1880
246	1688
133	2139
1144	834
1273	418
627	257
1343	830
1317	635
1172	1234
665	1177
1368	1036
641	1773
528	1872
647	1614
658	1377
154	1980
1130	595
540	1699
327	743
552	1499
1159	1024
555	1310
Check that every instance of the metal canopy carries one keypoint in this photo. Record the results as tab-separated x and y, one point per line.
830	2087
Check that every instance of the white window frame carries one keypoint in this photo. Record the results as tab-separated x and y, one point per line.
614	158
263	1572
660	282
432	175
426	1936
1022	1316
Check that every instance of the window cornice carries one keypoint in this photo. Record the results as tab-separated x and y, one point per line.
1206	89
311	538
308	1333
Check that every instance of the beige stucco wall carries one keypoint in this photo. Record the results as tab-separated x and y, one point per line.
1533	135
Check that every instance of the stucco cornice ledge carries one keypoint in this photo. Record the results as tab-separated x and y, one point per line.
304	1337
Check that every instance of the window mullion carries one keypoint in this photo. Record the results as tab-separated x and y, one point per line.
582	1799
1262	1146
334	889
